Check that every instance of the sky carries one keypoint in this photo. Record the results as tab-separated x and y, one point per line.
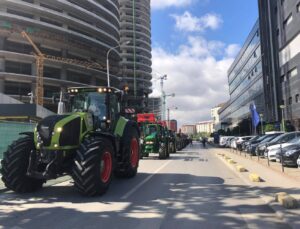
194	42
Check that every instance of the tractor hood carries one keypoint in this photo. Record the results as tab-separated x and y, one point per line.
61	131
151	137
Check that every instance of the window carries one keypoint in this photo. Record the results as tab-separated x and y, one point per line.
254	54
290	100
293	73
17	67
282	2
297	98
298	7
288	20
282	79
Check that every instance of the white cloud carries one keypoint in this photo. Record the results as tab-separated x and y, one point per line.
161	4
189	23
232	50
196	75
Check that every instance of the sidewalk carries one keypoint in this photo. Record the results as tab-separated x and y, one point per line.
274	181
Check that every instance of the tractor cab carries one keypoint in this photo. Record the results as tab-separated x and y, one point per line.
101	103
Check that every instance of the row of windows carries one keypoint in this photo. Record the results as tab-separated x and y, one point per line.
245	70
255	40
240	103
290	100
292	73
287	21
53	22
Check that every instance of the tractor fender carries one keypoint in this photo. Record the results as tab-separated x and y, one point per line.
29	134
115	140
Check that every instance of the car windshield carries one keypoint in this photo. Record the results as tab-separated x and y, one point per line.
268	138
295	140
279	138
92	102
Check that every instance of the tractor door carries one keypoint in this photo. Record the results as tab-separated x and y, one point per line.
114	110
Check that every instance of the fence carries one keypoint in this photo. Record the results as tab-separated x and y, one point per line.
9	131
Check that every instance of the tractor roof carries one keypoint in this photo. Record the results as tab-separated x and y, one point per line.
101	89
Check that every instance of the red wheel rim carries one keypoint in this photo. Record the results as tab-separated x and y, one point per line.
106	166
134	157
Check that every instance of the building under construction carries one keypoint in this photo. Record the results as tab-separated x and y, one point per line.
135	19
77	30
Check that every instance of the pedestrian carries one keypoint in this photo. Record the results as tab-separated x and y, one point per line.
204	142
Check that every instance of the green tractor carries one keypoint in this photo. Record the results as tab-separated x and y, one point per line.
155	141
91	141
172	141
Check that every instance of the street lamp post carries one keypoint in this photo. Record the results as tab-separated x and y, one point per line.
282	107
107	60
261	123
164	104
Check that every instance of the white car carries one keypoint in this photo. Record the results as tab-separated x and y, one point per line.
271	151
223	140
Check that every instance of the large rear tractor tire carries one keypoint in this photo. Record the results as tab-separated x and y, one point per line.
131	150
93	166
15	164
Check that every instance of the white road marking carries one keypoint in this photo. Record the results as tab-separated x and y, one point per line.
128	194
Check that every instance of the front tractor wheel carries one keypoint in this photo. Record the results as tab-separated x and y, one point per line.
15	164
162	152
93	166
131	151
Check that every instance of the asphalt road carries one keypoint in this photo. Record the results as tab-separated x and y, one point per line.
193	189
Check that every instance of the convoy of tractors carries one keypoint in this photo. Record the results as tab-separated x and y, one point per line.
90	140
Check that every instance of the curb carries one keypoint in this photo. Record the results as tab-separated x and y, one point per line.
278	209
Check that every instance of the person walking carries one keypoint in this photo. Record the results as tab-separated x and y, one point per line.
204	142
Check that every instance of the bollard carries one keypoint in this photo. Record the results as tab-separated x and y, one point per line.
281	155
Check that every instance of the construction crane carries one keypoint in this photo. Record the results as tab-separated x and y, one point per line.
40	59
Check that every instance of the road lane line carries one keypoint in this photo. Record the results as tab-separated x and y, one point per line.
128	194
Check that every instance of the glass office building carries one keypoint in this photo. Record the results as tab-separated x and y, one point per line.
245	82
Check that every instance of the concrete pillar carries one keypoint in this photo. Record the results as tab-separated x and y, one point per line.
2	65
33	69
1	85
63	74
1	43
93	81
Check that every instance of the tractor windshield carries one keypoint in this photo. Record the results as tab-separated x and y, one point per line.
92	102
151	129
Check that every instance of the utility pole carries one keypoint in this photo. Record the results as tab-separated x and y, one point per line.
163	97
134	48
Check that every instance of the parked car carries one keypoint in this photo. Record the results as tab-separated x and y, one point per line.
290	155
298	162
271	151
228	141
223	141
246	143
240	140
264	139
261	148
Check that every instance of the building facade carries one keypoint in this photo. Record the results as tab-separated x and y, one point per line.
216	117
81	30
188	129
135	18
280	23
245	79
155	106
205	127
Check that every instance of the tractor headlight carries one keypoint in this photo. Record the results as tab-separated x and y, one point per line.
59	129
149	143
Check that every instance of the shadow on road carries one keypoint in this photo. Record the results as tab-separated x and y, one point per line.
166	201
